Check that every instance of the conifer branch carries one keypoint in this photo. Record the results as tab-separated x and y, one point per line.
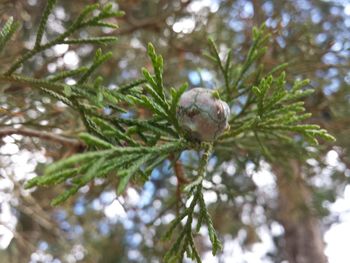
130	159
99	59
184	243
48	9
7	31
68	142
78	24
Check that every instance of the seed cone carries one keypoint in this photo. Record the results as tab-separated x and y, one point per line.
202	115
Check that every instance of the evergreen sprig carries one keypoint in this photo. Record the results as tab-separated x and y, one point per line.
234	75
48	9
85	167
276	110
7	31
81	22
163	106
184	243
272	108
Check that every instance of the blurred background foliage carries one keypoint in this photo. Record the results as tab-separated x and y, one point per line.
97	226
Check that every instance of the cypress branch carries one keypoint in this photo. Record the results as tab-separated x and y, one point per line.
7	31
47	11
75	26
67	74
184	242
91	40
224	69
127	87
99	59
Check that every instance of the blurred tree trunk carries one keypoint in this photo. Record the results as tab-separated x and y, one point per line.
303	237
303	240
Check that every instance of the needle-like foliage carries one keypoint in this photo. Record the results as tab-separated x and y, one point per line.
129	148
6	32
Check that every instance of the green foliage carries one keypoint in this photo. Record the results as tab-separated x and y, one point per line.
99	59
48	9
87	18
234	75
157	101
130	148
184	243
272	110
277	109
122	161
7	31
125	162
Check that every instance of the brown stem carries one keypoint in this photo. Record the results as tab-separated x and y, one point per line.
181	179
69	142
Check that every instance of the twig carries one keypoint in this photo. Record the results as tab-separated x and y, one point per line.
70	142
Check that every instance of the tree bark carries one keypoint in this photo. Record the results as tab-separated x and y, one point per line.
302	237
